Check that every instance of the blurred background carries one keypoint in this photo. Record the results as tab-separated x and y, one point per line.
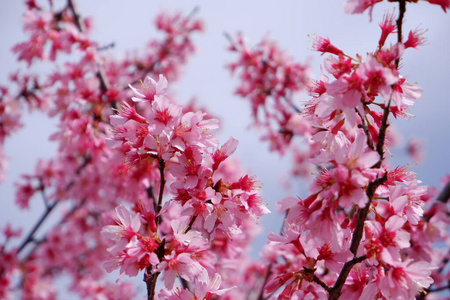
129	25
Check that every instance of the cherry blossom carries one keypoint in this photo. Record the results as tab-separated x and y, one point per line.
150	89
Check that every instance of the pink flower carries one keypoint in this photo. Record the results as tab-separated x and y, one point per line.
383	242
125	114
334	260
164	115
359	6
404	90
226	150
189	167
345	95
24	194
443	3
415	38
324	226
125	262
128	226
191	240
161	145
357	155
387	26
206	290
355	283
324	45
338	66
142	251
376	79
150	89
276	282
253	205
202	291
9	232
406	279
183	265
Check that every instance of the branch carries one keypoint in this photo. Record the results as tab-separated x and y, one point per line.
49	208
38	224
335	291
445	194
372	186
73	8
104	82
266	278
401	14
151	278
162	166
317	279
364	127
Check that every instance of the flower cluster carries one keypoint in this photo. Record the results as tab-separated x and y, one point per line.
359	6
85	179
354	236
210	215
272	81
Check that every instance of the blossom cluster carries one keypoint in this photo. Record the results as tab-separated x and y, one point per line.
85	180
360	6
272	81
361	234
209	216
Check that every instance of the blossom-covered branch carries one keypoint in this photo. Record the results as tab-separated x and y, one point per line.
350	238
85	180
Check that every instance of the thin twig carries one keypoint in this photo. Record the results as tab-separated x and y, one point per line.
401	14
38	224
364	127
106	47
266	278
161	167
51	207
104	82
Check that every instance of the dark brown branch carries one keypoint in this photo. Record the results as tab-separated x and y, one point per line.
60	223
335	292
151	279
292	105
77	18
38	224
44	196
104	82
382	134
401	14
161	167
190	224
106	47
266	278
372	186
185	284
445	194
356	239
317	279
364	127
50	207
362	213
384	122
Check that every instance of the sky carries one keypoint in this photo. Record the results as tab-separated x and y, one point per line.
129	25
